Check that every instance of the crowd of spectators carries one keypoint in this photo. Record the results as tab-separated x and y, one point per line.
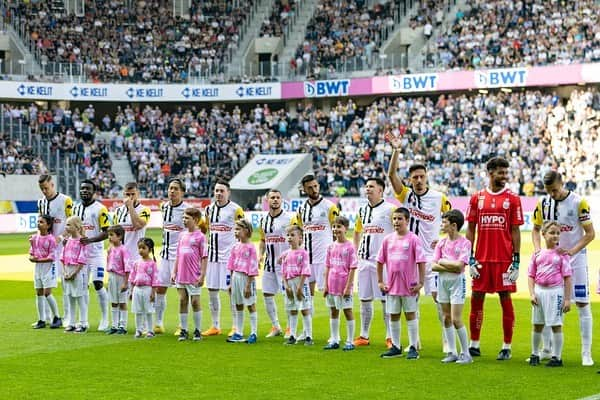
73	133
200	144
505	33
275	24
343	32
141	41
455	134
15	158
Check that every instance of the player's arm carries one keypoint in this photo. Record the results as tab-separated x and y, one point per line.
380	281
588	228
203	264
470	234
348	286
262	247
515	234
68	207
175	267
415	289
536	232
454	266
104	223
141	220
567	293
395	180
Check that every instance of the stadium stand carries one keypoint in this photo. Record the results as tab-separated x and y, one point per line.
502	33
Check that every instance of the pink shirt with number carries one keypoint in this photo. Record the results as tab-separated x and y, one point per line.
455	250
74	253
401	256
549	268
294	264
190	251
118	261
340	259
144	273
43	247
243	259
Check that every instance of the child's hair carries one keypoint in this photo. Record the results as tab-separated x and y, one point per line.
341	220
245	224
117	230
402	210
454	216
148	243
549	224
295	228
75	220
49	220
193	212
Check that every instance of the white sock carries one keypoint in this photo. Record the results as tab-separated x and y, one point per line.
350	331
547	338
183	321
307	321
386	321
115	316
53	306
463	339
474	343
198	319
253	322
149	318
395	332
214	303
293	318
334	328
139	322
366	316
450	339
72	310
41	307
585	326
66	302
440	314
536	340
83	310
160	306
103	302
123	315
239	325
557	341
413	332
272	311
506	346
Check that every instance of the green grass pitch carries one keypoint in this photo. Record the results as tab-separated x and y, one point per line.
50	364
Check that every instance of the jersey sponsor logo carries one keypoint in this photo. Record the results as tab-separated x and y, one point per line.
276	239
374	229
314	228
493	221
506	204
89	227
566	228
220	228
172	227
421	215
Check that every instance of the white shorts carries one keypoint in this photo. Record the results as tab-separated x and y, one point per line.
192	290
339	302
115	283
165	270
239	281
44	276
217	276
431	280
57	263
581	286
397	304
317	275
77	286
550	303
452	288
296	304
368	289
140	300
96	269
271	281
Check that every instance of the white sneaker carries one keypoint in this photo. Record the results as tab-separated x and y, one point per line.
586	359
545	355
450	358
301	337
274	332
464	358
103	326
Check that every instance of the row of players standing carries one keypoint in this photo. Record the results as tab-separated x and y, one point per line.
494	218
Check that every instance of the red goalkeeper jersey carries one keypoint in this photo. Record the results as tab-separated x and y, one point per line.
494	214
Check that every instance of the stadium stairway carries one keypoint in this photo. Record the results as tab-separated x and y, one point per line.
120	165
306	11
20	50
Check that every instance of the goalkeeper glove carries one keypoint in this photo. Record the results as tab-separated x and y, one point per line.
474	267
513	270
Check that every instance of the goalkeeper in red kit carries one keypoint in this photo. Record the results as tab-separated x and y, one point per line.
494	216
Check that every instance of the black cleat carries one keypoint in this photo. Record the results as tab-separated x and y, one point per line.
40	325
475	351
554	362
505	354
56	323
534	360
